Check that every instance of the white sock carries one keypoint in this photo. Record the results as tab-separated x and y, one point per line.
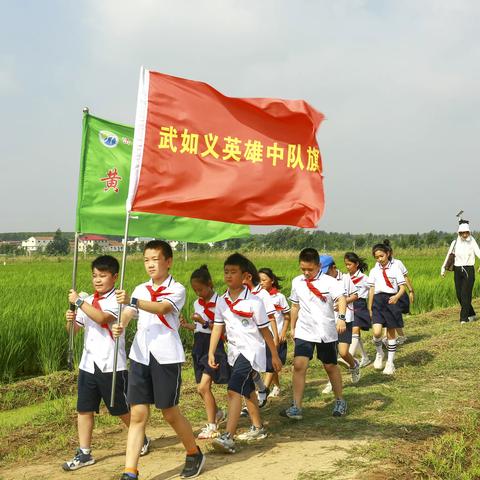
362	348
257	379
354	345
378	345
213	426
392	348
86	451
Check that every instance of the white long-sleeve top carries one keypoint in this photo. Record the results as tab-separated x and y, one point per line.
464	250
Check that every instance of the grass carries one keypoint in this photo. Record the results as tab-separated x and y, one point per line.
424	423
33	340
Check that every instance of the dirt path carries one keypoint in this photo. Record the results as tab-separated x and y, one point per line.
277	457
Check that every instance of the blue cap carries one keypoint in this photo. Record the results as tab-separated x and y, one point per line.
326	261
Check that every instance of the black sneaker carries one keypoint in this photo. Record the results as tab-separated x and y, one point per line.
263	397
193	465
126	476
244	412
78	461
145	447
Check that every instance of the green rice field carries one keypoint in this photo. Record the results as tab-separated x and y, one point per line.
33	299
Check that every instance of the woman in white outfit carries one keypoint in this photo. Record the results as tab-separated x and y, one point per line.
464	247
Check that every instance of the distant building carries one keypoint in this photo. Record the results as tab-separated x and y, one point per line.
89	241
114	246
36	244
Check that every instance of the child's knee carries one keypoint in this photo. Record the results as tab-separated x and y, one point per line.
202	389
170	415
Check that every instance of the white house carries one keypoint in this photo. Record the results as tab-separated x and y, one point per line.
88	241
114	246
36	244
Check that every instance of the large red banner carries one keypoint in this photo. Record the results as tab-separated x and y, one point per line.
200	154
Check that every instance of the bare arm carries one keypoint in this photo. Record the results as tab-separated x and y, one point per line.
158	308
394	298
217	331
267	336
98	316
286	323
293	318
370	299
70	316
273	325
128	313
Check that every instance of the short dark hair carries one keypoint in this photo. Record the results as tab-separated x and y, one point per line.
275	280
202	274
106	263
239	260
161	245
309	255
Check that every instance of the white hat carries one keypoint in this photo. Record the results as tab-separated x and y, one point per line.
463	227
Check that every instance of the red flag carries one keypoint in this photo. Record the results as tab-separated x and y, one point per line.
200	154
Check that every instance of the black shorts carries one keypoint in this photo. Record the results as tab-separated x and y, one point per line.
361	315
155	383
201	344
282	353
388	315
241	379
346	336
404	303
92	387
326	352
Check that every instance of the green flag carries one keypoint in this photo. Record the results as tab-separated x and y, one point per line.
103	190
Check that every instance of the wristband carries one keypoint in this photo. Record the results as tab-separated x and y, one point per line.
134	303
79	302
341	316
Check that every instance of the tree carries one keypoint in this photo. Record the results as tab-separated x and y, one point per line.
59	245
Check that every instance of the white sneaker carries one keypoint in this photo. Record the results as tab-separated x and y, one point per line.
401	340
275	392
209	431
472	318
253	434
378	363
328	388
389	369
355	372
365	361
220	416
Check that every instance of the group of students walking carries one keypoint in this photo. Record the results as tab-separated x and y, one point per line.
239	336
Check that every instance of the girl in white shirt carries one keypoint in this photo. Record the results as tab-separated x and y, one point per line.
465	248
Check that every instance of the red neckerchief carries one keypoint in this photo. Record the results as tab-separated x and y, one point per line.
273	291
314	290
387	281
96	304
357	277
154	295
231	306
206	306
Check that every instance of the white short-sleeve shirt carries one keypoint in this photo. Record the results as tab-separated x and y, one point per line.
266	299
243	333
400	265
316	318
360	280
350	289
198	309
153	336
98	342
395	276
281	308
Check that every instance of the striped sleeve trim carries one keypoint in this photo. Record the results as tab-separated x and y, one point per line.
263	325
296	302
219	322
111	313
170	301
286	310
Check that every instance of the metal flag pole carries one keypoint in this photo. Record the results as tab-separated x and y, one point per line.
186	251
71	330
120	308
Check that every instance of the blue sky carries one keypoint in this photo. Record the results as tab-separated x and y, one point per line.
398	81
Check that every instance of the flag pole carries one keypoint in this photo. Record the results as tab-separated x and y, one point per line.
120	307
71	329
186	251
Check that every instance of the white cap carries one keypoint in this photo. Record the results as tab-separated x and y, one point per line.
463	227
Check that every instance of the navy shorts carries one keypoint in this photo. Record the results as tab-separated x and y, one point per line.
154	383
282	353
361	315
326	352
404	303
346	336
201	344
390	316
93	387
241	379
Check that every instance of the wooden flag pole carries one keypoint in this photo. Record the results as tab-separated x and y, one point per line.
120	308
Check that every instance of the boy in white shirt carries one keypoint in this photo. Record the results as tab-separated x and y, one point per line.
313	326
156	357
245	320
95	314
